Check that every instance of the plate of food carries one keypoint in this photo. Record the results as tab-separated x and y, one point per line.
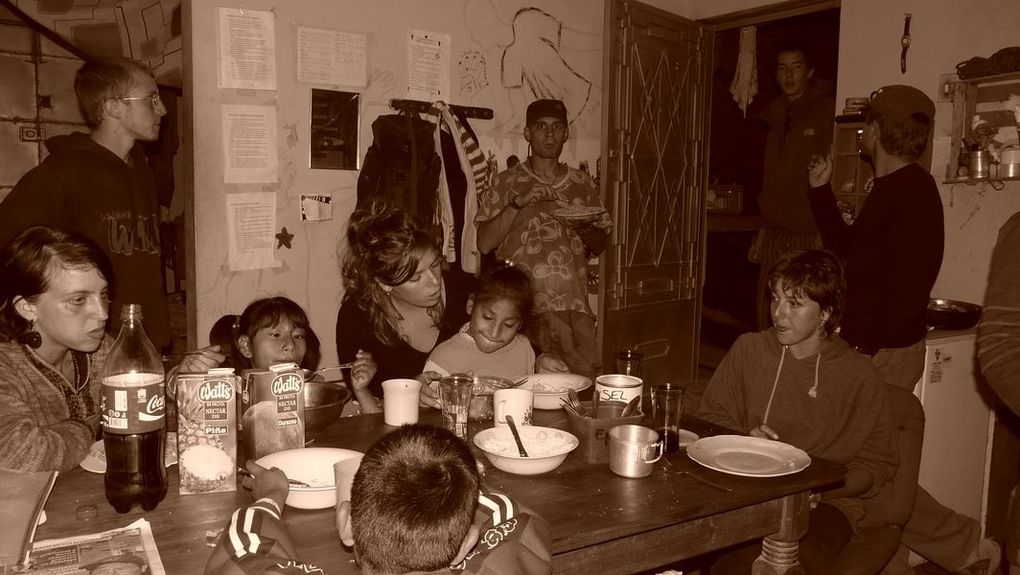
575	213
550	388
95	461
748	456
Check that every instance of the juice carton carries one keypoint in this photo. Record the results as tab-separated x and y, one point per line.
273	409
207	431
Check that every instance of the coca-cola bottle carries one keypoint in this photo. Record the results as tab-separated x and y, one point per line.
133	404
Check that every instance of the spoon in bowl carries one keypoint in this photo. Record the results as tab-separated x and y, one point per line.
517	436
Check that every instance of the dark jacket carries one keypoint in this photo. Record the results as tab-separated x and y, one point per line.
797	131
85	188
893	252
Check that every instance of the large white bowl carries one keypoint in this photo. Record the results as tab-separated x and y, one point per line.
548	388
547	448
313	465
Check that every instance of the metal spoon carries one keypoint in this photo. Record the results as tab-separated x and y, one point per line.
293	482
517	436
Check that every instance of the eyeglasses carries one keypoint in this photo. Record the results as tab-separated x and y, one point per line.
153	98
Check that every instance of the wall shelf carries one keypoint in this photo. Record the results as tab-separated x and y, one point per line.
966	95
979	180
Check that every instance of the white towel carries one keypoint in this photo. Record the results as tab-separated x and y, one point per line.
745	79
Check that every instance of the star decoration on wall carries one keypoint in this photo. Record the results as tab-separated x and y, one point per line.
283	238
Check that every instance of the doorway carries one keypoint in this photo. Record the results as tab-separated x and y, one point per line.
737	144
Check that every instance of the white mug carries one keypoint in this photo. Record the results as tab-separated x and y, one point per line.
517	403
400	401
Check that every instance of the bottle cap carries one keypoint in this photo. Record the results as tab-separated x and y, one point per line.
86	512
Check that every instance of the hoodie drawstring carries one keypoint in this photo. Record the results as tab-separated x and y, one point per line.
775	383
813	392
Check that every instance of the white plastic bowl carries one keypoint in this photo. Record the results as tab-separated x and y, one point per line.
313	465
547	447
548	388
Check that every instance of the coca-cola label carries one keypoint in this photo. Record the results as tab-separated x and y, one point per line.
133	403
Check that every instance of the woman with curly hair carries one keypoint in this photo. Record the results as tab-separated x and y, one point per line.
395	304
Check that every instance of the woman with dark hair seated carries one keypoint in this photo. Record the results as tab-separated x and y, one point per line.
54	298
800	383
395	303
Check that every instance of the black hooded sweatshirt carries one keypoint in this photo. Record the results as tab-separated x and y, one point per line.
83	187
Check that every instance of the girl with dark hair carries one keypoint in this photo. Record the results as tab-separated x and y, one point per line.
54	302
395	303
491	342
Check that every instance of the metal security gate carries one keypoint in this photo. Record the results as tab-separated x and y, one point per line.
655	122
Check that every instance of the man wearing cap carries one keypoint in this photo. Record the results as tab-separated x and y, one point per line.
515	219
893	252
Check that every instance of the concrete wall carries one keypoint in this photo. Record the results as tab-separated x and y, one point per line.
310	274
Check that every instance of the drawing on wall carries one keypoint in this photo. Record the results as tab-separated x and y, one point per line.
472	72
334	130
533	63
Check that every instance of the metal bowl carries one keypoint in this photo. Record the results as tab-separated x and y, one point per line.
323	404
951	314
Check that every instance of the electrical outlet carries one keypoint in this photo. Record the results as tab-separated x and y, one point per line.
945	90
31	134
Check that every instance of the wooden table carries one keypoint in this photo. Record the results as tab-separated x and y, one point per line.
597	518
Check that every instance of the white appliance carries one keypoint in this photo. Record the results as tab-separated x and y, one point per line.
956	456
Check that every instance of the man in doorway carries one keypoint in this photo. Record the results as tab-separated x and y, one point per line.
893	252
99	185
800	126
547	217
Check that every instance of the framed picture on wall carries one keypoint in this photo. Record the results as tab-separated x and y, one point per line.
334	130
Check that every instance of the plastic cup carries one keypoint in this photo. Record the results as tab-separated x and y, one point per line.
455	393
343	476
517	403
400	401
667	409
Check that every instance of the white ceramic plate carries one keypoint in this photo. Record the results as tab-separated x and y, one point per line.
95	461
577	212
550	387
748	456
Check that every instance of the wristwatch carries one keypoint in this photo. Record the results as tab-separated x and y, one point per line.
515	204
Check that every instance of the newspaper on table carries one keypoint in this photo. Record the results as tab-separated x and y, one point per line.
127	546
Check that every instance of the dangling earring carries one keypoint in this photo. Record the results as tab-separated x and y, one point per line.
31	338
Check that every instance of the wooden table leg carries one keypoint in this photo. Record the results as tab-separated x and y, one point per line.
779	550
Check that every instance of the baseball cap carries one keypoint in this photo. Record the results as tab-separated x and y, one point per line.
546	109
901	103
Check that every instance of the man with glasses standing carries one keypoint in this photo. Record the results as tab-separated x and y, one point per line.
547	218
99	184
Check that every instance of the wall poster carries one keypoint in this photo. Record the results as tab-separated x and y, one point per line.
334	130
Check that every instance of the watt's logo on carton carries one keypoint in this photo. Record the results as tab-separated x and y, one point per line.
216	390
287	384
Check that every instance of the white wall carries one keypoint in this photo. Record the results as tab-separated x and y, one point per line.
310	273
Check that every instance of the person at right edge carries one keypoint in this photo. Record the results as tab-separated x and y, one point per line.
893	252
998	346
799	127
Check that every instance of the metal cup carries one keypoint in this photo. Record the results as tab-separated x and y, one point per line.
633	450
